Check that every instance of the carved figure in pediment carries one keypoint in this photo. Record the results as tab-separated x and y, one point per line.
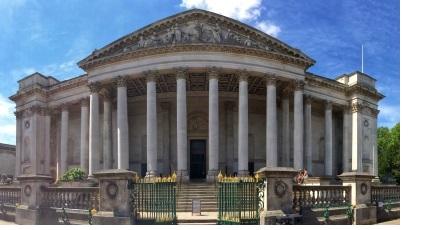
152	40
197	32
177	34
216	34
248	42
169	37
141	42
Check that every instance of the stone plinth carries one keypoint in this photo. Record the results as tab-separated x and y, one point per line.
364	212
28	212
278	193
114	207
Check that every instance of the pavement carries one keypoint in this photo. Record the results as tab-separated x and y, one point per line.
185	216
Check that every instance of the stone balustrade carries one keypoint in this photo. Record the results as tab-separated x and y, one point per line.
74	198
320	195
10	195
385	193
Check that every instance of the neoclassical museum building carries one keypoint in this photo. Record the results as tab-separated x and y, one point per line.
197	93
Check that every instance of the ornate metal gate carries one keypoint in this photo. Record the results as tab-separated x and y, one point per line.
153	201
240	200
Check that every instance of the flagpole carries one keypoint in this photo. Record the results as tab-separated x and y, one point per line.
362	58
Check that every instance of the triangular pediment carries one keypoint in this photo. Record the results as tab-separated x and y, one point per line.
197	28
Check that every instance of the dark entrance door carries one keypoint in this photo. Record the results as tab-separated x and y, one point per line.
198	150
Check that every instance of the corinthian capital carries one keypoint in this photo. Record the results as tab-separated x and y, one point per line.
308	99
356	107
213	72
151	75
243	75
271	79
19	114
121	81
298	85
328	105
84	101
36	109
94	87
64	107
181	72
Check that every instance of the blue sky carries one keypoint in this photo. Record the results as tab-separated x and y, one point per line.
51	36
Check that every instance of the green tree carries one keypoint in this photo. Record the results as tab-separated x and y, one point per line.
389	152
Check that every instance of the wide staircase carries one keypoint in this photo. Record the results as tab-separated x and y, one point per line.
206	193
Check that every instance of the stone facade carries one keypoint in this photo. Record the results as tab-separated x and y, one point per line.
197	93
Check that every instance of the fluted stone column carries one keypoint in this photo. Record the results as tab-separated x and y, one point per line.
307	121
64	139
374	126
298	125
356	135
181	75
47	124
286	138
37	139
151	138
243	124
84	132
328	139
94	130
271	123
346	140
229	105
213	124
122	123
166	106
18	162
107	130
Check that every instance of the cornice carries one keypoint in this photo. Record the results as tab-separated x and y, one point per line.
366	91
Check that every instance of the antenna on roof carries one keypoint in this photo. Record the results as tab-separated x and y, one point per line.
362	58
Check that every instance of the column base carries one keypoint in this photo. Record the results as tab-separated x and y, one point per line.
182	176
212	176
26	215
243	173
151	174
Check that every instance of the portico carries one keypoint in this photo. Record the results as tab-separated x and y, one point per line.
233	101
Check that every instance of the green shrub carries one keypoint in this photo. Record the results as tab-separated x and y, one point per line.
74	174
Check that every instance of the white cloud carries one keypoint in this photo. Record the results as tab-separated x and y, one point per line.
388	115
268	27
7	121
243	10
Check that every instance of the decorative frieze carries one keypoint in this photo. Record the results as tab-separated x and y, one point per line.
46	111
375	113
94	87
151	75
243	75
213	72
121	81
181	72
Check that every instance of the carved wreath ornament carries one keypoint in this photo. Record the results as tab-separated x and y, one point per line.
27	190
112	190
363	188
280	188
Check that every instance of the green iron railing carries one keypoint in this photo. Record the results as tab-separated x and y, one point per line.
239	200
153	201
